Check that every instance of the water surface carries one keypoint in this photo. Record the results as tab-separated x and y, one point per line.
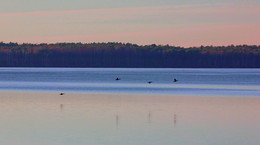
107	119
231	82
205	107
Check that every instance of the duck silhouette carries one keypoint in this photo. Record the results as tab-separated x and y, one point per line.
175	80
149	82
117	79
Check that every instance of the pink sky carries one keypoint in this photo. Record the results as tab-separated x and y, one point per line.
182	25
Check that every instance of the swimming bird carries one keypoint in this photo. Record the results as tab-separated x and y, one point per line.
175	80
118	79
149	82
61	93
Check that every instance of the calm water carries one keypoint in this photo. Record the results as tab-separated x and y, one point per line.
205	107
107	119
221	82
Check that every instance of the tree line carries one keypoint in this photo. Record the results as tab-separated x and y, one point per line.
127	55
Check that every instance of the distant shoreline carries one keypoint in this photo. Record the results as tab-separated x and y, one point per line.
126	55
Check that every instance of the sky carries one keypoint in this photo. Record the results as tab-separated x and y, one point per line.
174	22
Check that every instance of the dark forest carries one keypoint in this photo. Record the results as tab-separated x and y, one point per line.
127	55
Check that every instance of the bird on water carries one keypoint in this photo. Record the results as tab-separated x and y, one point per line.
149	82
175	80
118	79
61	93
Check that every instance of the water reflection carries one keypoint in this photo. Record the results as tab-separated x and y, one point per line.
117	120
128	119
174	119
149	117
61	107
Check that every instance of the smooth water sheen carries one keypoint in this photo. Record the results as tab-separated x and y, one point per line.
41	118
205	107
220	82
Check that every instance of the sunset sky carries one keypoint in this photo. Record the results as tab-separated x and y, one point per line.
174	22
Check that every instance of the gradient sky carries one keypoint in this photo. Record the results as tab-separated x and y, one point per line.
178	22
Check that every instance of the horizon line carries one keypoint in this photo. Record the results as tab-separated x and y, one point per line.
258	45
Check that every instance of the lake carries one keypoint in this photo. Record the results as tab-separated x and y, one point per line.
231	82
204	107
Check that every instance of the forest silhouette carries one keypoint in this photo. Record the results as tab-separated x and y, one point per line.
127	55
